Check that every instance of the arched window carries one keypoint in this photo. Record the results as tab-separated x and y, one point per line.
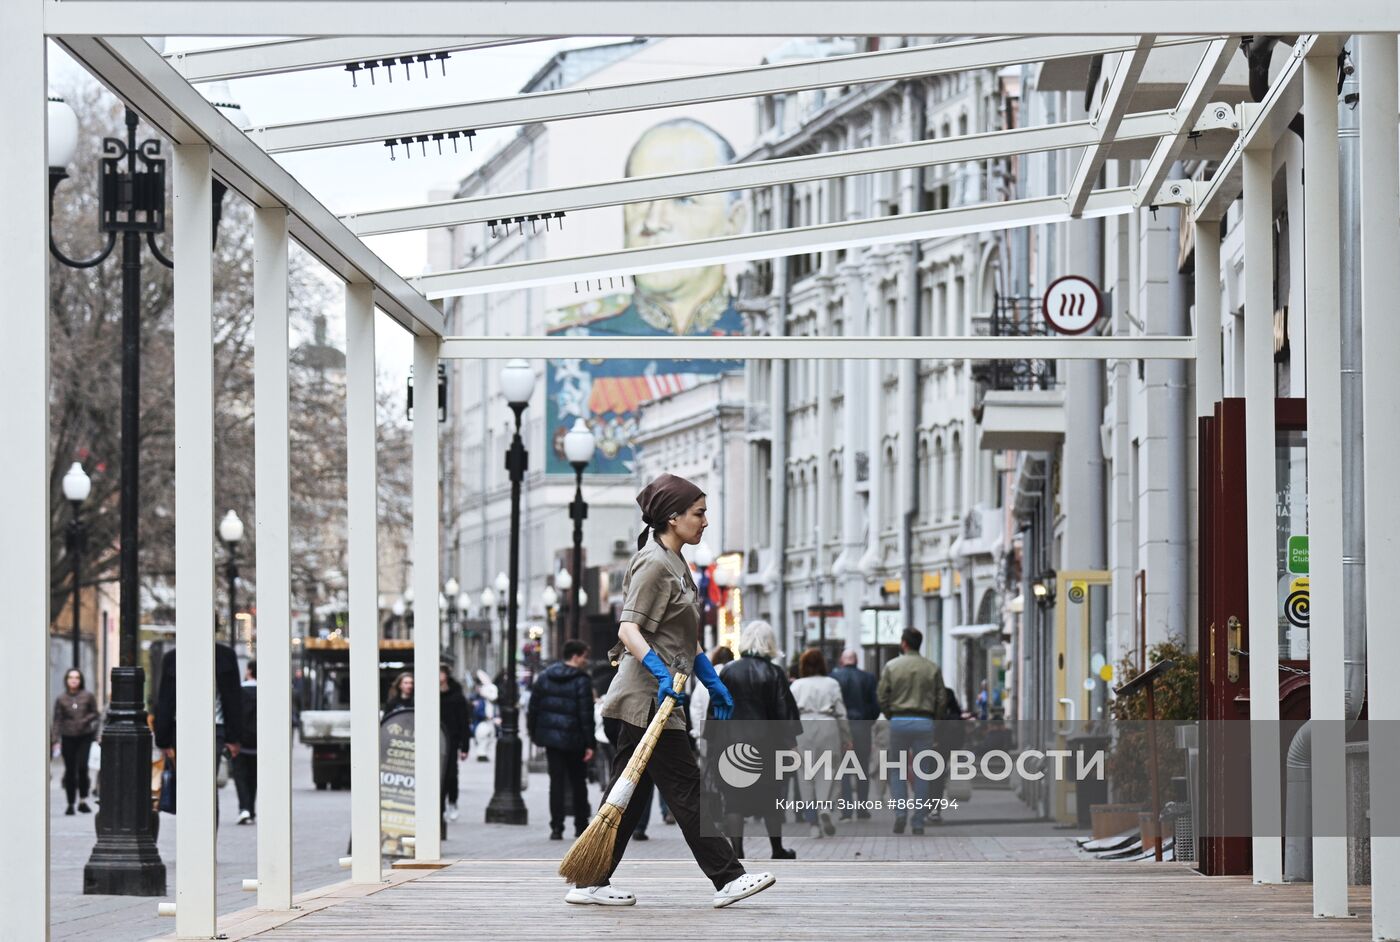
890	497
959	499
940	480
834	520
925	490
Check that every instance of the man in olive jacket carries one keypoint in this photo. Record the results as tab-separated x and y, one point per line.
560	718
911	696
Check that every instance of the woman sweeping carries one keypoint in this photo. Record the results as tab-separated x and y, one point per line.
660	626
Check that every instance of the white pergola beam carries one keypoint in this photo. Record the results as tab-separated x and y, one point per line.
135	72
362	552
754	175
1261	495
1188	111
1107	121
280	56
272	470
24	474
1322	292
1265	126
1380	382
758	245
731	18
1210	378
195	825
427	637
564	347
780	78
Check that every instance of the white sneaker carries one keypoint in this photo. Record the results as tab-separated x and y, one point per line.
605	895
452	814
244	817
816	831
743	888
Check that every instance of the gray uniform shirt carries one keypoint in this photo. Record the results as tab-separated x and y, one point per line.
659	596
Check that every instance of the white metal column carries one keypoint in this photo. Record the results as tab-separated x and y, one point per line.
195	825
1209	376
363	564
427	765
24	474
1380	286
1322	299
1262	618
273	483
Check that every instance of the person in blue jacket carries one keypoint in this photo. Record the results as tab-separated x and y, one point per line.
560	718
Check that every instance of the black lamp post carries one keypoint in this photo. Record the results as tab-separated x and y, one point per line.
507	806
125	860
76	487
578	448
231	532
450	603
549	601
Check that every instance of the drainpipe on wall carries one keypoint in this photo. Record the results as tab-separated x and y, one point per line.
1297	852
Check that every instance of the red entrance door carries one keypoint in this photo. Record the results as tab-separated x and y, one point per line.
1224	846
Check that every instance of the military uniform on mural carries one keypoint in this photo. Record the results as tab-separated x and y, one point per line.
690	302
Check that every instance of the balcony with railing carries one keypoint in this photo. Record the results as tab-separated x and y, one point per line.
1017	402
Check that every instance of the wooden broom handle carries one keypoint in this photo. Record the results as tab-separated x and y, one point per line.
644	749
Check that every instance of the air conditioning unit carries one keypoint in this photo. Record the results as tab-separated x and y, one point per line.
622	548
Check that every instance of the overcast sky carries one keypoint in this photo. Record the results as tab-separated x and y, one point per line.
348	179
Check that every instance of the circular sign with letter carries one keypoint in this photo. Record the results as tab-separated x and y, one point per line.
1072	305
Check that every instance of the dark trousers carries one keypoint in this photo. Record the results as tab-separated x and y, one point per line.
673	770
566	771
450	787
75	751
245	780
861	734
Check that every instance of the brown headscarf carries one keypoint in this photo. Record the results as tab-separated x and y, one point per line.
662	499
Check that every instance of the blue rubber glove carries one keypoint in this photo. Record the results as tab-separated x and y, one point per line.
721	703
653	663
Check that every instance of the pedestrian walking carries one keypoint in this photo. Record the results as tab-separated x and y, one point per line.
824	732
456	720
983	702
228	706
862	710
911	695
950	733
765	710
75	722
560	718
245	764
484	716
660	625
400	693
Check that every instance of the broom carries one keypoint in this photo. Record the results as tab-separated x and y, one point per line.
587	863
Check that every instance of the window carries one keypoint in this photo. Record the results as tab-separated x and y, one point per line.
890	496
833	526
940	480
958	497
923	473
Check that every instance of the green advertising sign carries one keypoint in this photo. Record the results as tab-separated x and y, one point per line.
1298	555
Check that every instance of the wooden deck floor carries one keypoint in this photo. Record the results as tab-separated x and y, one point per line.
819	900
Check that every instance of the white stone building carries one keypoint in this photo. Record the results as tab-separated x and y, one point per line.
864	475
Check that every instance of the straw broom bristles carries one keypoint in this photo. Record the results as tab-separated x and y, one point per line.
590	858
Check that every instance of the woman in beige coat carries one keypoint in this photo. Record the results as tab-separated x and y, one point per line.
825	733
